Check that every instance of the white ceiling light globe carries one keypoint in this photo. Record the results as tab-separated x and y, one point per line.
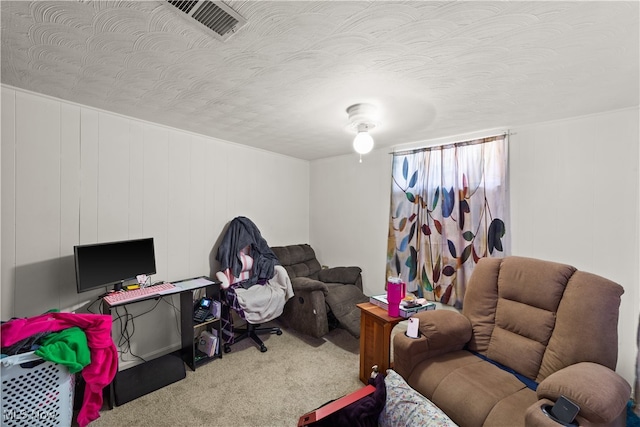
363	143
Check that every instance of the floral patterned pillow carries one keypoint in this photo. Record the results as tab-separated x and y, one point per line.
407	407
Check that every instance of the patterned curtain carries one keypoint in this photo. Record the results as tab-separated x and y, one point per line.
448	210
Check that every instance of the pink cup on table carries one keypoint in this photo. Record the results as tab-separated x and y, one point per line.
395	293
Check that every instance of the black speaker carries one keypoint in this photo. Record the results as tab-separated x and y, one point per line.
147	377
563	412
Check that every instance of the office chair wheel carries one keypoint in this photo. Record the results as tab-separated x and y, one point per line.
278	332
227	348
263	348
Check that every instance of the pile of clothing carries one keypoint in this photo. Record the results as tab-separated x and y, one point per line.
256	285
81	342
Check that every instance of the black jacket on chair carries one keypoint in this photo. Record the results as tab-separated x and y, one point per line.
242	232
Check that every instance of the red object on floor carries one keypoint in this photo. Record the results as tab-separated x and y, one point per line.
336	405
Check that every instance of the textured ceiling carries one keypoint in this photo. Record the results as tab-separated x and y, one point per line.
283	81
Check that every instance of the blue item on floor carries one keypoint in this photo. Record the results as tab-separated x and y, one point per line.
632	419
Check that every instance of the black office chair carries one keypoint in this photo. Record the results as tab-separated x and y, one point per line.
250	330
252	282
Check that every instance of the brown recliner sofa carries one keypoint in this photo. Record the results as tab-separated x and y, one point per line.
545	321
321	294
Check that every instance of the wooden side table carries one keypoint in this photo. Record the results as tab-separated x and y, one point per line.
375	338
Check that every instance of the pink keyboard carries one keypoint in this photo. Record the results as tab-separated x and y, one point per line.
136	294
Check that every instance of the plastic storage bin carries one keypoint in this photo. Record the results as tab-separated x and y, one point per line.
36	394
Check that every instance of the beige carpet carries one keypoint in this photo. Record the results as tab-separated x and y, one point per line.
248	388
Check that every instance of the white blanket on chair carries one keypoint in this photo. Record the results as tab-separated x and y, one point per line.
262	303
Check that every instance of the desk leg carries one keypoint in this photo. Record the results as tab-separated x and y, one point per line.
109	392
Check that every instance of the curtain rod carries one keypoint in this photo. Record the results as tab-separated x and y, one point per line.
462	143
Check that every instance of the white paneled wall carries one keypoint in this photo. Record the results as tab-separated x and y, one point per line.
37	202
7	203
350	214
69	200
574	189
75	175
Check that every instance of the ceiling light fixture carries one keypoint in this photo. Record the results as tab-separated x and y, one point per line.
362	119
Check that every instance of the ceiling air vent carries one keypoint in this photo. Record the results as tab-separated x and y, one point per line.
215	15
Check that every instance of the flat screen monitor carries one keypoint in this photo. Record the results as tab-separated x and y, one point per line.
105	264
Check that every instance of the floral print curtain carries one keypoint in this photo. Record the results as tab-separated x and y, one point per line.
448	210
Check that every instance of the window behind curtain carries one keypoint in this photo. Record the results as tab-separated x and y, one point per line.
448	210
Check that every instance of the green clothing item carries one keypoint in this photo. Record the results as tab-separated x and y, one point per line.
67	347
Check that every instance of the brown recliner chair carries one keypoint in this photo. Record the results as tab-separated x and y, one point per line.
321	294
554	326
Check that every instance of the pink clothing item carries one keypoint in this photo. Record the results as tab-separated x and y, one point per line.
227	278
104	355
